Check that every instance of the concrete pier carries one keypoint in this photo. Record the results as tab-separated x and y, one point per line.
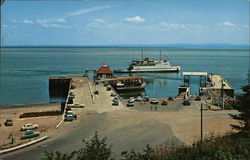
85	94
217	81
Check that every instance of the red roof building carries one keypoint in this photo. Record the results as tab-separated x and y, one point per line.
104	72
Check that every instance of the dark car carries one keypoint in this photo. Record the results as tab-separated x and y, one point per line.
187	102
105	84
197	98
108	88
115	103
8	122
68	108
72	87
96	82
69	117
96	92
146	99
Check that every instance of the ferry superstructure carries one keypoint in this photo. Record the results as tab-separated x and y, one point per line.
149	65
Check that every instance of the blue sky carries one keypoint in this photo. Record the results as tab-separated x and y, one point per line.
107	22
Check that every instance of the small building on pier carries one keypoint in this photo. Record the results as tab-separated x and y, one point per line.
104	72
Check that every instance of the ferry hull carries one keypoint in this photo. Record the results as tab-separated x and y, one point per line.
144	71
130	88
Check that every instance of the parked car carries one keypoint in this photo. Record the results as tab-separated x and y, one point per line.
96	82
74	116
146	98
138	98
69	117
29	126
96	92
105	84
187	102
130	104
68	108
30	134
108	88
164	102
197	98
170	98
76	105
154	101
69	112
115	98
70	101
72	96
8	122
131	99
72	93
115	103
72	87
112	94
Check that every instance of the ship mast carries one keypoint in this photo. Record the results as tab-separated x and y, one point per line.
160	54
142	54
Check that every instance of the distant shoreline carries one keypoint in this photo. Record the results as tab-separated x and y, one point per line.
186	46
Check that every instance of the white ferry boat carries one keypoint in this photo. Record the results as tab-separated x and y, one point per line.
149	65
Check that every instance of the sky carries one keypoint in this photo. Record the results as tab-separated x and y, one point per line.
123	22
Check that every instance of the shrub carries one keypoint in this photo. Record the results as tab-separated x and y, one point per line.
96	149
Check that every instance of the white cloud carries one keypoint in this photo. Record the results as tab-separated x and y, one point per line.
99	21
171	26
27	21
60	20
54	25
41	21
53	22
135	19
103	24
85	10
226	23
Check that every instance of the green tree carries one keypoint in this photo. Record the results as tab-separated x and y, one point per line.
146	154
49	155
244	111
96	149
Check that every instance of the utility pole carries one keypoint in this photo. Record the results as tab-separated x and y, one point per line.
248	78
222	93
201	123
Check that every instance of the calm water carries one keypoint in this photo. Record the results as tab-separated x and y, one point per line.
25	71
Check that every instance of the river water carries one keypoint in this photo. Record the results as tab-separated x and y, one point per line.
25	71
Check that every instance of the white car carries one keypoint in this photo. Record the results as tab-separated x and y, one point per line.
131	99
76	105
29	126
138	98
72	94
154	101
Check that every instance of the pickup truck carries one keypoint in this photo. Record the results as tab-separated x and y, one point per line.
29	126
30	134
